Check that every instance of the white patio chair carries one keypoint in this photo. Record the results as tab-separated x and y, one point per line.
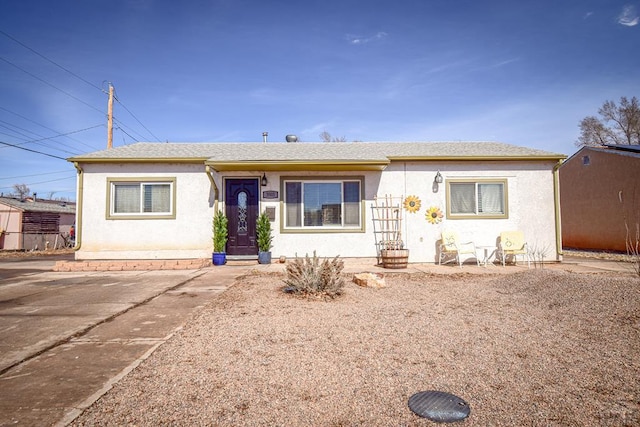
451	246
512	244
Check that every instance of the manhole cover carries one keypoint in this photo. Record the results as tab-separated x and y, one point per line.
439	406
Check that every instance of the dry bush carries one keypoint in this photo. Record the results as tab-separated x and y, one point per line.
310	276
633	248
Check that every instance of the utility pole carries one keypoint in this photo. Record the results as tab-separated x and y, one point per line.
110	118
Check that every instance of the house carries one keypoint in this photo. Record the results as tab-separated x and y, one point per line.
600	197
27	224
157	200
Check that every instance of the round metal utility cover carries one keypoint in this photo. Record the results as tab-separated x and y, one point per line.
439	406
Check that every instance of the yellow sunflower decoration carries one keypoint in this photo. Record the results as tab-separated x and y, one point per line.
412	204
434	215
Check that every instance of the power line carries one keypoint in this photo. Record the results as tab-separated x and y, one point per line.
123	131
43	182
38	141
49	137
53	86
33	151
122	125
36	174
76	76
50	60
132	115
46	127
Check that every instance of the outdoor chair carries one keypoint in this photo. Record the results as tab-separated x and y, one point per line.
452	247
512	244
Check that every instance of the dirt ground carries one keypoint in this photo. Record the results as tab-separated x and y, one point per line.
34	254
537	347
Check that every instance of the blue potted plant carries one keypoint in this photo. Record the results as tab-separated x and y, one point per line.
220	234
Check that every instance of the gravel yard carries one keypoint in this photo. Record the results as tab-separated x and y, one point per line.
537	347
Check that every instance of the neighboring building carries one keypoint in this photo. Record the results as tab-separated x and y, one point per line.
600	197
157	200
34	224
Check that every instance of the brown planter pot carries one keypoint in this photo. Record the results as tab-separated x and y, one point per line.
395	258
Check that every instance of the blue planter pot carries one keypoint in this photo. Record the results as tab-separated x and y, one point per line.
264	257
219	258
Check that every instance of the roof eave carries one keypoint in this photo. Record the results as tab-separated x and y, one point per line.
553	157
192	160
348	165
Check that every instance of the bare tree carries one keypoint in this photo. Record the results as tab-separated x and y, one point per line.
618	124
21	190
326	137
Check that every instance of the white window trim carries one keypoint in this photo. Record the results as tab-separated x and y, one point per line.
141	181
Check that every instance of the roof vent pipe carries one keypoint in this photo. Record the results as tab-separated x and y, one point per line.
291	138
264	136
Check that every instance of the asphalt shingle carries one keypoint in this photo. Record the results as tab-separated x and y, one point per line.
300	151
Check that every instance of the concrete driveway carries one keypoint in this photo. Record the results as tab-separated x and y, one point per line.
65	338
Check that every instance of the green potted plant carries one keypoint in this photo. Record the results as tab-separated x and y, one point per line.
264	238
220	222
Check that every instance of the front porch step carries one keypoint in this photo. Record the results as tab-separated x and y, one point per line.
242	260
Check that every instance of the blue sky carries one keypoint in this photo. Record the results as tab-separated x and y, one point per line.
523	73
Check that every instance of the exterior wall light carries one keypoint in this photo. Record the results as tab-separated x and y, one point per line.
437	180
263	181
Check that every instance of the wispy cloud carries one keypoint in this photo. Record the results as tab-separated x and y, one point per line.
587	15
503	63
355	39
315	129
629	16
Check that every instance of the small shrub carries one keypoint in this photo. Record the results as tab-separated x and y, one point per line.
633	248
310	276
538	254
220	233
263	233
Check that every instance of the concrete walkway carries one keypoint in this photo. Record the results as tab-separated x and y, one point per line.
67	337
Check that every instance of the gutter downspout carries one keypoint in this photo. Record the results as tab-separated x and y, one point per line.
216	193
556	200
79	191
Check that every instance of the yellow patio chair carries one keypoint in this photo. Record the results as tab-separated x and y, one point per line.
512	244
452	247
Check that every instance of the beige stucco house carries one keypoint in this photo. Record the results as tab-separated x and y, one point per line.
600	197
157	200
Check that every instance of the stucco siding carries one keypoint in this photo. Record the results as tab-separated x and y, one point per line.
599	194
530	207
186	236
11	225
530	199
530	204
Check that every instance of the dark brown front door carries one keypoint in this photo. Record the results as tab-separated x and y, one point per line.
241	207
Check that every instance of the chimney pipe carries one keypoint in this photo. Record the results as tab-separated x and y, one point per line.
264	136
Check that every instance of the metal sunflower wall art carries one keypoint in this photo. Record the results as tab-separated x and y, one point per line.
434	215
412	204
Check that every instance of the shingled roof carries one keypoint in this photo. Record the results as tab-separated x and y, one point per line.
342	152
29	205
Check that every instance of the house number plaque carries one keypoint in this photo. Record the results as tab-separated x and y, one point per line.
271	213
269	194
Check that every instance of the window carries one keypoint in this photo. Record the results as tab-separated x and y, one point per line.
151	198
473	199
323	204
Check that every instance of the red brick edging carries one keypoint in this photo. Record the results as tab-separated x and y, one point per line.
131	265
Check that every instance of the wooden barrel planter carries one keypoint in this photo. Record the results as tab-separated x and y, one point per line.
395	258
